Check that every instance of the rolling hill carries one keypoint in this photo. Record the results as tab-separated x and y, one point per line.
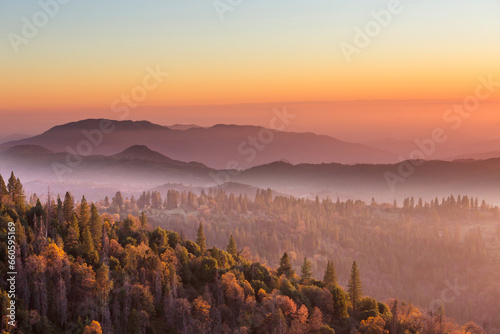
218	147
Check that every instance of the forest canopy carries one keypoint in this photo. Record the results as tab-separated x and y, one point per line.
83	271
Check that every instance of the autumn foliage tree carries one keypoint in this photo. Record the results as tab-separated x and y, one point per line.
95	272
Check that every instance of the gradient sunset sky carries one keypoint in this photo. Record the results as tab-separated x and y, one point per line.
264	54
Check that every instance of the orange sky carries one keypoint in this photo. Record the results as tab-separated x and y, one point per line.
90	54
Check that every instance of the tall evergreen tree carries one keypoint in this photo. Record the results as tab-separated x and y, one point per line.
68	207
84	215
3	188
11	187
118	200
231	247
59	211
73	237
144	219
20	198
330	278
16	191
285	267
355	290
88	249
95	227
200	240
305	272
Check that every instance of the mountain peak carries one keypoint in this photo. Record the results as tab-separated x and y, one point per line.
143	152
140	152
183	127
138	148
247	145
29	150
95	123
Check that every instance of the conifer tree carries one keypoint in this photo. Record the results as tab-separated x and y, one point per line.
144	219
59	211
305	272
11	187
3	188
200	240
285	267
73	238
231	247
84	215
20	200
68	207
16	191
118	200
355	287
88	249
95	227
330	278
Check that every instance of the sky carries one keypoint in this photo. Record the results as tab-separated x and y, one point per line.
234	64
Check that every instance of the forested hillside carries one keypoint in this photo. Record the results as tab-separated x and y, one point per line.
414	250
81	271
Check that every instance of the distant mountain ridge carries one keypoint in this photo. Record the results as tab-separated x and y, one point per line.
140	168
218	146
136	167
429	178
183	126
12	137
142	152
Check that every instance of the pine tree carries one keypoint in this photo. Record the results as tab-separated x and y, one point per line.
59	211
144	219
73	238
305	272
3	188
118	200
20	200
285	267
68	207
11	187
355	287
16	191
95	227
84	215
330	278
200	240
231	247
88	249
